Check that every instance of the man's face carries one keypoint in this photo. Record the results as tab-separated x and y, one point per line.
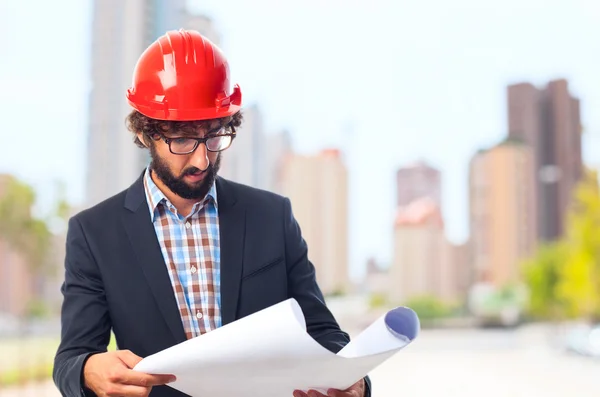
190	176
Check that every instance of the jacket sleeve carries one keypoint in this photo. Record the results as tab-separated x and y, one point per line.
85	323
302	286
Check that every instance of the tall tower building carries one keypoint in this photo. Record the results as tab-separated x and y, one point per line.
419	251
502	211
425	263
318	189
121	32
416	181
548	120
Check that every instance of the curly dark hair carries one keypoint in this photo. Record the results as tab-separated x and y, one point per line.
149	127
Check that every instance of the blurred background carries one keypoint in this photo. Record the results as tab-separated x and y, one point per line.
441	155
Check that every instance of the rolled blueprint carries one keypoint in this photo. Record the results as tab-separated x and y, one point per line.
269	353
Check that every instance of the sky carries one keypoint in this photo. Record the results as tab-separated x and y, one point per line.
388	82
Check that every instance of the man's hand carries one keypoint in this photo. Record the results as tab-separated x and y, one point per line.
356	390
110	374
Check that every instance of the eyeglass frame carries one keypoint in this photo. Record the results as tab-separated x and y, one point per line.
203	140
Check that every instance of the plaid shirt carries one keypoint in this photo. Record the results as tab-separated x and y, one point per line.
191	250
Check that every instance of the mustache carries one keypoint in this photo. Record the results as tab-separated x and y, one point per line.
194	170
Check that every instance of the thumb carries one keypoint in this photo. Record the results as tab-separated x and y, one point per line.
129	358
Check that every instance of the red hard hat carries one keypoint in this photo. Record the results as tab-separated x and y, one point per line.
183	76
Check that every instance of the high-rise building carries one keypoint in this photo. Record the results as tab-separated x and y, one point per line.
121	31
548	119
502	212
420	250
318	189
425	262
416	181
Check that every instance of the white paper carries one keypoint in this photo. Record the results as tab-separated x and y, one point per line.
270	354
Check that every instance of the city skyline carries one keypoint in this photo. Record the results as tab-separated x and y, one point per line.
463	101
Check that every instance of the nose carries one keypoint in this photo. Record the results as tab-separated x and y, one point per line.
199	158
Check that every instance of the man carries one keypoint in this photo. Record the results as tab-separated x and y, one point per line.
182	251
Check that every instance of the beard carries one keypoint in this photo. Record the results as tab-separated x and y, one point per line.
177	184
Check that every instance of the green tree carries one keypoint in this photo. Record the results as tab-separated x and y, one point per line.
564	277
579	281
20	230
32	237
429	307
542	274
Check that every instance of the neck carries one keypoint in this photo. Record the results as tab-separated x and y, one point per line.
183	206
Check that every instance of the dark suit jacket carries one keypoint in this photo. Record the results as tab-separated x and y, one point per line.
116	278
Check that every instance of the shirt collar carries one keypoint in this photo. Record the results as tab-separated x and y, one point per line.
154	196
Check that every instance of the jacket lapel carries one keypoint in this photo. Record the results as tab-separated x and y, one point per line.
232	226
144	242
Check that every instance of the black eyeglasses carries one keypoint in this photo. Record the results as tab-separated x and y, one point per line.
215	142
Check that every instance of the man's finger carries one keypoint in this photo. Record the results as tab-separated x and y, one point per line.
117	390
314	393
129	358
137	378
343	393
130	377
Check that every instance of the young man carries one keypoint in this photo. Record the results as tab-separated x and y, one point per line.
182	251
